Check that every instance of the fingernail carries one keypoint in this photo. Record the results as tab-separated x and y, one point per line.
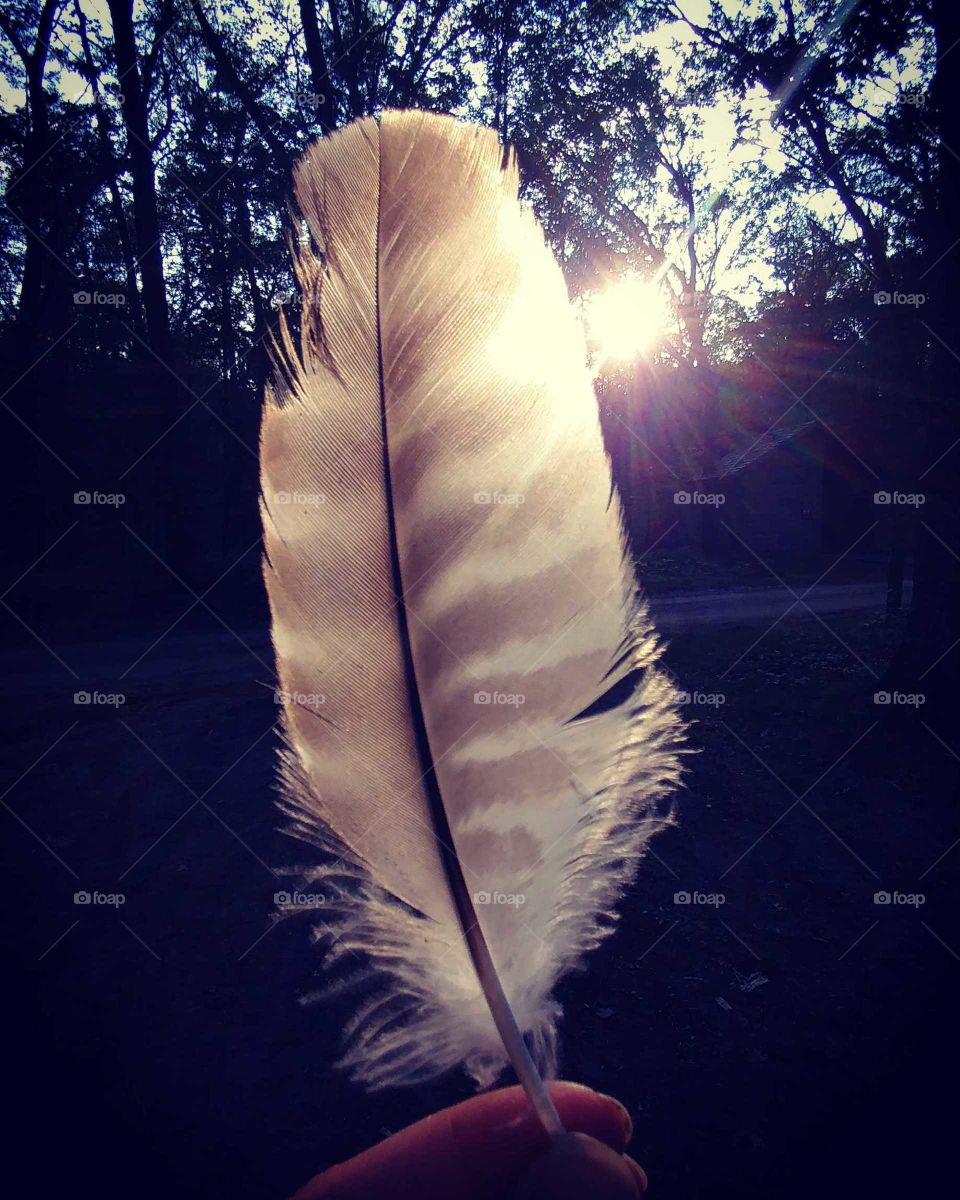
622	1114
638	1171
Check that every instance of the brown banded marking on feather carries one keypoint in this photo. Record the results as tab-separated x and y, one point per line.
523	655
554	675
480	527
531	562
478	521
550	779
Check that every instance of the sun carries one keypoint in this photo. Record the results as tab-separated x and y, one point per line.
626	319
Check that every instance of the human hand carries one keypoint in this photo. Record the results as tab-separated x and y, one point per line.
493	1146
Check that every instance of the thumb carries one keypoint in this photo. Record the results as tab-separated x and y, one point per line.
478	1148
575	1166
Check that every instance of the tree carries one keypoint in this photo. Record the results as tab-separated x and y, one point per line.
134	78
826	72
928	661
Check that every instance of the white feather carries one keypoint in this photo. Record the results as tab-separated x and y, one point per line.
466	568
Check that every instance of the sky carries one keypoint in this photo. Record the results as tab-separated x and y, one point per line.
716	146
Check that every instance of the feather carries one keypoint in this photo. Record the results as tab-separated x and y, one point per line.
476	732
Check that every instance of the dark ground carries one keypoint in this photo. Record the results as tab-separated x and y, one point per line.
797	1041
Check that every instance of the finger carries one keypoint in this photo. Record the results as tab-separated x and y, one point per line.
574	1166
476	1149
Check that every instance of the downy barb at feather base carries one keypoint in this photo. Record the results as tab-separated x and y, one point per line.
461	598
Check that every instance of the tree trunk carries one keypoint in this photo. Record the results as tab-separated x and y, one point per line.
113	184
928	661
29	195
146	220
257	359
322	83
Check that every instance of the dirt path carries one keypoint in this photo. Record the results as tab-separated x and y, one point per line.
691	610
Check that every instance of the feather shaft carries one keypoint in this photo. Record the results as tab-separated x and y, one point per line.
520	1059
503	1017
486	972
